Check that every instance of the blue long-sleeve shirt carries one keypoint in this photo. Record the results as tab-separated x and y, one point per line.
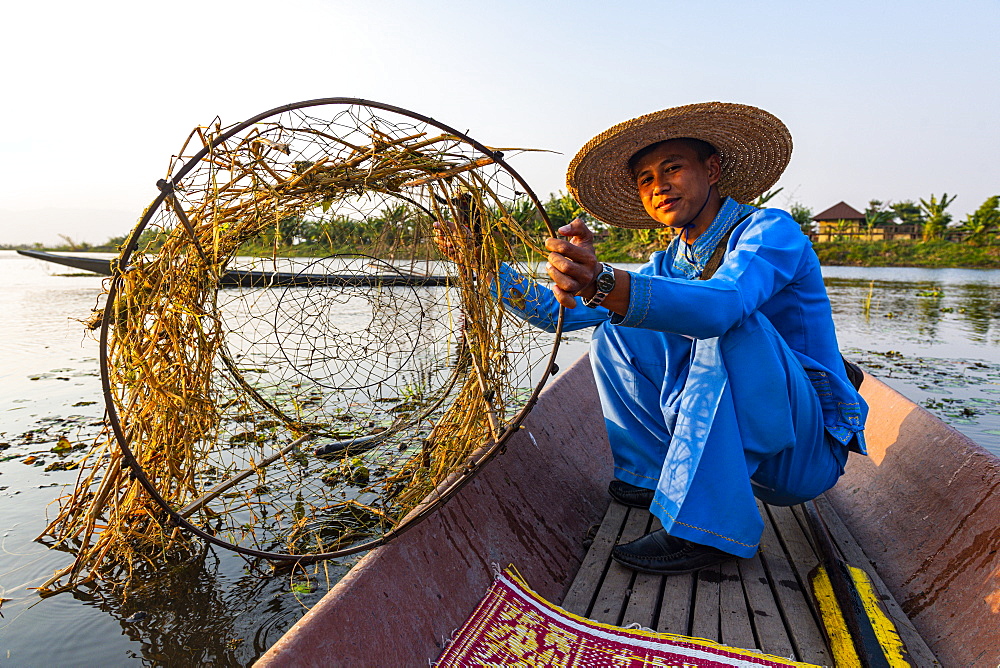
769	267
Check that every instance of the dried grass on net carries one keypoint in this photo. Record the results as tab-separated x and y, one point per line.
225	394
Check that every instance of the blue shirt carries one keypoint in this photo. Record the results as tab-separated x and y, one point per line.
769	266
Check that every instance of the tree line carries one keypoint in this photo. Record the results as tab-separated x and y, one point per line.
396	225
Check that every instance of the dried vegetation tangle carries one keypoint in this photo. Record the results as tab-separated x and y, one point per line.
316	406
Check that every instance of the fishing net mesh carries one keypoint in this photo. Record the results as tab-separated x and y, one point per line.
289	356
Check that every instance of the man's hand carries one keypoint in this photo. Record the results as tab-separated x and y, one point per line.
573	265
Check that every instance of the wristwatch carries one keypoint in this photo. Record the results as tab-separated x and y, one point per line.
605	283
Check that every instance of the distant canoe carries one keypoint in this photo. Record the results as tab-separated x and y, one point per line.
262	279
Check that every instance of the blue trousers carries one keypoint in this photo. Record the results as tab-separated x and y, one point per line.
711	424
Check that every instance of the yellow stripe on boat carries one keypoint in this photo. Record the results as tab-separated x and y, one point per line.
841	644
885	629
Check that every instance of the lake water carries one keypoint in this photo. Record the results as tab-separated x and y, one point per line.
932	334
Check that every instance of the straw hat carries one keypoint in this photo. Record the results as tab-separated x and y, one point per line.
754	147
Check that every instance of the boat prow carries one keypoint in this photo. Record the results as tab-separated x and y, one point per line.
97	265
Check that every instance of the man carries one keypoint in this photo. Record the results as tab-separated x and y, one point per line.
721	383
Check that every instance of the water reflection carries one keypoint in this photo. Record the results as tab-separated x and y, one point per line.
203	612
978	307
958	311
931	334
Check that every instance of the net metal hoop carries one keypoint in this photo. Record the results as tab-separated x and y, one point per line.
449	487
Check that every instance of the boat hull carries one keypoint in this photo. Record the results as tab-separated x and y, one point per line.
236	278
925	505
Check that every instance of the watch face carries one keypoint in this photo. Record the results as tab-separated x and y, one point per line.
606	281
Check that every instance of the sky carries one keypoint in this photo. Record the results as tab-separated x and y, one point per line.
884	100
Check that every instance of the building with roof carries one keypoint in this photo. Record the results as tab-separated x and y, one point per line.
843	221
840	221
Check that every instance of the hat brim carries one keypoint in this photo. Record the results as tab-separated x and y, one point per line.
754	147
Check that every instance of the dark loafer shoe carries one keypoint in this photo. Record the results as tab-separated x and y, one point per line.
662	554
630	495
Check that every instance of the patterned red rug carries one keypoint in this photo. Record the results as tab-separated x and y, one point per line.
514	626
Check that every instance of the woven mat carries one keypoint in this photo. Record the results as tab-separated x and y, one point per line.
514	626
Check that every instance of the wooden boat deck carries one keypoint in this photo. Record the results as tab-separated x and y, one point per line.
761	603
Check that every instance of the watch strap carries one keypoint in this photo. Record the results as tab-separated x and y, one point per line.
604	286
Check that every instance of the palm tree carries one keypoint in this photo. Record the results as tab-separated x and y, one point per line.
876	215
842	229
525	213
765	198
563	208
936	220
984	222
392	225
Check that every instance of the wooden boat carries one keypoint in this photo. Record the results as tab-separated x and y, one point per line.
924	506
260	279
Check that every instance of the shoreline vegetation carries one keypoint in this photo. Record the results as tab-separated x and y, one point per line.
923	254
918	254
855	253
974	244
